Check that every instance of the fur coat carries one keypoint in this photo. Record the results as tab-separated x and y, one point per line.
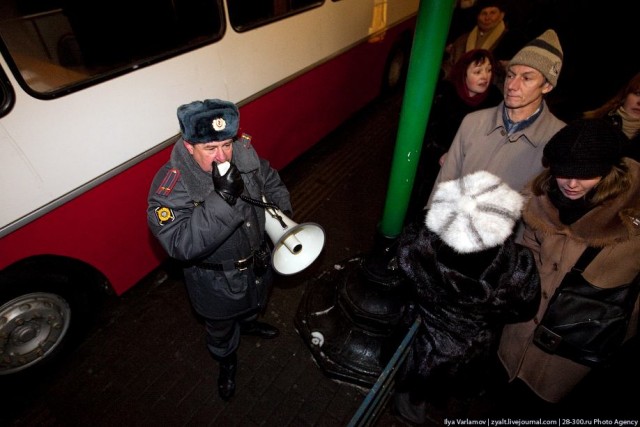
463	301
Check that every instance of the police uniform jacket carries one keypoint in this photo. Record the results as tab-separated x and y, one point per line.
614	226
196	226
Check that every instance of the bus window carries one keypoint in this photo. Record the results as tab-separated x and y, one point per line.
58	44
263	12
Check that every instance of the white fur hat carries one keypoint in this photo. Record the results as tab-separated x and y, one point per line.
475	212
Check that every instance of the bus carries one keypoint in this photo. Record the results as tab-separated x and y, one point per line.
88	100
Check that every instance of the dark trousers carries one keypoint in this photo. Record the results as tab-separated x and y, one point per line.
223	336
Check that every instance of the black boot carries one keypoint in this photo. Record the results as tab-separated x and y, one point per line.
259	329
227	376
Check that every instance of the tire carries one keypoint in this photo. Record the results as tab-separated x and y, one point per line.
396	68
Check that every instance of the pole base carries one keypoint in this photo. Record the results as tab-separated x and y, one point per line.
349	323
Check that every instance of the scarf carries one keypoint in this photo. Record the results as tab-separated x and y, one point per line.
197	182
630	125
475	41
513	127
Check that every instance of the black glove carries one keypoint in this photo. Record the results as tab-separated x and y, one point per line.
228	186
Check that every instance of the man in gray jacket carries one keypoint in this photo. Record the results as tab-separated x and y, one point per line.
507	140
203	217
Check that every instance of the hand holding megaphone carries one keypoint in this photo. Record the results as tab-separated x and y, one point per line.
227	181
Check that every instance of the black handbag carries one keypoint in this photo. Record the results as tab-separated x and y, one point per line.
585	323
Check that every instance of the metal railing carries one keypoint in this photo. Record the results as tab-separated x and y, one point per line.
378	396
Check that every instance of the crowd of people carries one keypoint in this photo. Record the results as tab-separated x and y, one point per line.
579	182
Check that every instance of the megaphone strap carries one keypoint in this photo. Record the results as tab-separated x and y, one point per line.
266	205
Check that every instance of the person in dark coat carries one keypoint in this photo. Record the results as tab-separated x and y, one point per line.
201	216
490	33
468	278
623	112
468	88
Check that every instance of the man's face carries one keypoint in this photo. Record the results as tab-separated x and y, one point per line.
489	17
524	87
208	152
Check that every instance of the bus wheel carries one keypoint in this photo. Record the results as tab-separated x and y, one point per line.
33	328
395	70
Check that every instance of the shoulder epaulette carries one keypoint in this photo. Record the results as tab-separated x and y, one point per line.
245	139
168	182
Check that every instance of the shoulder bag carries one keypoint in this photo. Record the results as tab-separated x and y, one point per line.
585	323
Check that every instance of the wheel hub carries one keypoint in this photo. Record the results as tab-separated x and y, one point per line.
31	327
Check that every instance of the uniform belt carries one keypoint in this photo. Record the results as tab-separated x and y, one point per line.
240	265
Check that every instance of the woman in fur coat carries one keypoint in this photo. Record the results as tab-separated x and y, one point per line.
589	195
468	278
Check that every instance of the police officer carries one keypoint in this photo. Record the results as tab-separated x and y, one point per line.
203	217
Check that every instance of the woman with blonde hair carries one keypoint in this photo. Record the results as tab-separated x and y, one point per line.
588	196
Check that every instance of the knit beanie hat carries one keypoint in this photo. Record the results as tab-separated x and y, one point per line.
475	212
208	120
544	54
585	148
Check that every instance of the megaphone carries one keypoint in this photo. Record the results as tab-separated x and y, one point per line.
296	246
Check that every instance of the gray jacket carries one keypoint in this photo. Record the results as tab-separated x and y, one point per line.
482	143
196	226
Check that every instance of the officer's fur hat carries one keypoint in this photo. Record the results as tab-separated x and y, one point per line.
208	120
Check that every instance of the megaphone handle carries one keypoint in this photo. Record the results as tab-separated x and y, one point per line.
265	205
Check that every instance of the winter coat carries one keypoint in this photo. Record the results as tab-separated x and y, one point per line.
615	226
196	226
482	143
503	49
463	302
633	147
447	112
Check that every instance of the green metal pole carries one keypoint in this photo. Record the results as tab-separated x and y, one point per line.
432	28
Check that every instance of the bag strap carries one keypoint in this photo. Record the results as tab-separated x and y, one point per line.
587	256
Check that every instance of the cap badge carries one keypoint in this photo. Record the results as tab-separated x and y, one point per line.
218	124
